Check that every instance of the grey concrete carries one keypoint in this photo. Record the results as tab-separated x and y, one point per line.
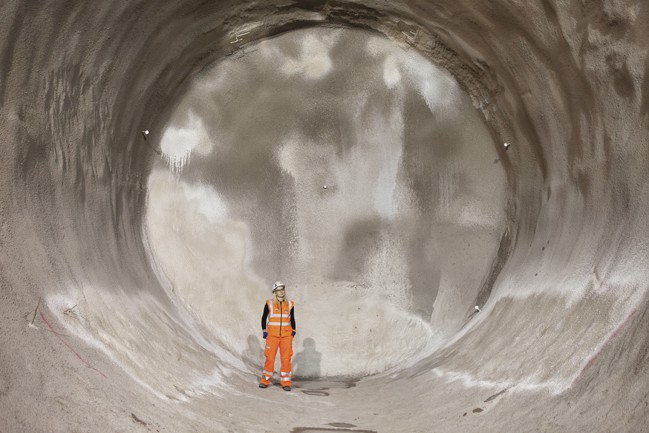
357	171
105	325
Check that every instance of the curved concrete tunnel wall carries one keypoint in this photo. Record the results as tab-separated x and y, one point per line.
561	343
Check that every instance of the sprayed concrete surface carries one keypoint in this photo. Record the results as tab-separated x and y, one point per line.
455	193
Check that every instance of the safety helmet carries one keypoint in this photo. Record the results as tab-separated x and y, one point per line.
277	285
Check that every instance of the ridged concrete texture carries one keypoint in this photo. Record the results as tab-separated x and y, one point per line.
454	192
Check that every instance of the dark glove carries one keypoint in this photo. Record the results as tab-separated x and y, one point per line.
265	334
293	334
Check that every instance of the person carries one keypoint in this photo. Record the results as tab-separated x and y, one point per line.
278	328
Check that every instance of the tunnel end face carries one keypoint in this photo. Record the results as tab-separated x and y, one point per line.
392	239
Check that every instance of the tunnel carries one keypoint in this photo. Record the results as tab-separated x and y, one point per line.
454	193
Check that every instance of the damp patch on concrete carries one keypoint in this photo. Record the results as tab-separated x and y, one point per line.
325	430
323	387
495	396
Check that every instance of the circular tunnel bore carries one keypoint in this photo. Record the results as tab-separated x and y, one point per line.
354	170
100	332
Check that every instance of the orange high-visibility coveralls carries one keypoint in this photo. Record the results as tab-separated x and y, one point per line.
280	335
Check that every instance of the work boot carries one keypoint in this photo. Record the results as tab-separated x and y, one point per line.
263	385
286	388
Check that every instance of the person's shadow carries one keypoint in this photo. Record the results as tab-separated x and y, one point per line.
306	364
253	356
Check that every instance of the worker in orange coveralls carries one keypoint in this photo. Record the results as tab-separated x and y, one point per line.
278	326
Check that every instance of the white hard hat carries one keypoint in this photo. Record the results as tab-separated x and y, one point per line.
277	285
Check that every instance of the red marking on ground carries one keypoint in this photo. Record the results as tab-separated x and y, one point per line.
60	337
613	336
